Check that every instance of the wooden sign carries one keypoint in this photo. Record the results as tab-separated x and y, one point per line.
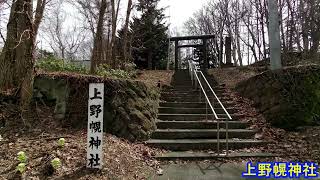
95	126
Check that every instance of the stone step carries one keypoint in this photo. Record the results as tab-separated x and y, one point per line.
203	144
191	156
226	100
214	102
224	96
202	133
192	104
187	89
195	117
199	124
181	72
182	77
196	96
176	110
192	93
190	87
182	81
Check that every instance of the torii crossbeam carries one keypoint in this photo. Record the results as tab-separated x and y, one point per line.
204	39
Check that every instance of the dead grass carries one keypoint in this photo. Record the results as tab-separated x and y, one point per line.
232	76
122	159
152	78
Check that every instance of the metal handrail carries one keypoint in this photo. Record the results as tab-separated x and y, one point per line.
205	94
194	72
215	95
224	109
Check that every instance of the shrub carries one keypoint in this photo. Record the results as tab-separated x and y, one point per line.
106	71
52	64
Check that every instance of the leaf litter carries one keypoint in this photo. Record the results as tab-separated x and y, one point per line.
122	159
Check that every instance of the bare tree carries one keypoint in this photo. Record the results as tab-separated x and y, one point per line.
17	57
98	40
246	21
5	7
41	5
115	13
90	11
126	29
17	60
65	42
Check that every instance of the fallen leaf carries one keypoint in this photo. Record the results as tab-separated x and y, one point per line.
258	136
160	172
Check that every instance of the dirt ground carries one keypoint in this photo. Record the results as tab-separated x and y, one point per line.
153	77
38	137
122	159
231	76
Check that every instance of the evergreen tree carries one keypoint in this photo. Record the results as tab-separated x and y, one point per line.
149	36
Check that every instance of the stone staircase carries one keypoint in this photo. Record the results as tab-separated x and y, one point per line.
183	128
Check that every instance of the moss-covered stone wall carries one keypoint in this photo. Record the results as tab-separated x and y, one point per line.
288	98
130	107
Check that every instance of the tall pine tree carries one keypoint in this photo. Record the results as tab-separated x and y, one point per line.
149	36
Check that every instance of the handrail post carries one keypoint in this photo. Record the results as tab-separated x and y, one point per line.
197	82
227	137
194	69
218	136
218	120
192	77
206	110
200	96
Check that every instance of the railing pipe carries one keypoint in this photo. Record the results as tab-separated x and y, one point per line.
215	95
195	77
225	110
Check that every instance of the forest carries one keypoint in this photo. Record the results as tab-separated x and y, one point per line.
247	23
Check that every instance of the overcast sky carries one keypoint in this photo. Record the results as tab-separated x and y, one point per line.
178	12
181	10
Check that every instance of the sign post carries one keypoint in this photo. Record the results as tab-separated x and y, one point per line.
95	126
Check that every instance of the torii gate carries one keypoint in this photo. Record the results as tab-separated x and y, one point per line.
204	39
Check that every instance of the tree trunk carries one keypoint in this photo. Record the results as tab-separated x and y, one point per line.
150	60
113	27
257	29
263	29
17	60
304	26
126	29
237	36
41	4
108	50
234	51
98	40
115	12
315	24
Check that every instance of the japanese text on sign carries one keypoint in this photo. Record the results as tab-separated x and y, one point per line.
95	126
